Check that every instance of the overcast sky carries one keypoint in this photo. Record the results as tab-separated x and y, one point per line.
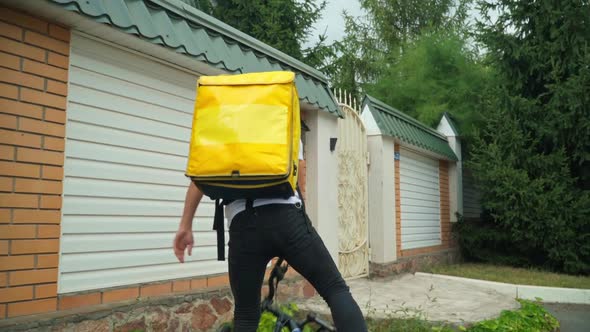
332	21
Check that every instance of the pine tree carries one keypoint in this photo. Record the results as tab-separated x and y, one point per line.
532	156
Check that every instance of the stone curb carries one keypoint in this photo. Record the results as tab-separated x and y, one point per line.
546	294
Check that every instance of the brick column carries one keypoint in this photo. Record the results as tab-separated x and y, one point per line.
34	58
302	177
398	207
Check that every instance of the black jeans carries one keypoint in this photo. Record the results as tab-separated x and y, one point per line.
268	231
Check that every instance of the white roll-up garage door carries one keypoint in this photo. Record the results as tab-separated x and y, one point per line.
420	200
129	122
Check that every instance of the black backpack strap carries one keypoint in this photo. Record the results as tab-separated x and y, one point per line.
219	226
249	204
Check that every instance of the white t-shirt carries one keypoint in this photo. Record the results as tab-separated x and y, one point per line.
237	206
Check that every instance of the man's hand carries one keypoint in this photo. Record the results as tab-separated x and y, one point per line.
184	237
183	240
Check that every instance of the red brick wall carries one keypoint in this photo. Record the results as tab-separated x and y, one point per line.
204	311
34	57
133	292
445	214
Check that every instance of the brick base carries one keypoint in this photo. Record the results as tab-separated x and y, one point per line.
412	264
203	311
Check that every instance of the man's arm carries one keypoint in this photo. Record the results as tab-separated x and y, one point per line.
191	202
184	236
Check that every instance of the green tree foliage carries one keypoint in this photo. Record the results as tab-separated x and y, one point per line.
356	58
531	157
415	56
400	21
437	73
376	40
282	24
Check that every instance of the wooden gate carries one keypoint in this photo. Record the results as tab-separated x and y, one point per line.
352	152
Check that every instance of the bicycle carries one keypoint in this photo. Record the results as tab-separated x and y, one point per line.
283	319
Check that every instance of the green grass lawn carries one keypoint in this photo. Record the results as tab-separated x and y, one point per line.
512	275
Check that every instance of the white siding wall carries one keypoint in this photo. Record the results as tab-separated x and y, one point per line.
370	124
322	178
129	123
455	169
382	230
420	200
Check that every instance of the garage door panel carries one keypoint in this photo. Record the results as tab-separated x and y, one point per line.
419	216
420	230
420	209
420	200
418	159
420	169
101	117
121	155
419	184
117	137
418	174
427	182
418	223
74	224
422	237
421	203
421	244
119	189
93	169
122	65
82	95
128	207
128	132
103	243
408	194
79	281
133	91
115	260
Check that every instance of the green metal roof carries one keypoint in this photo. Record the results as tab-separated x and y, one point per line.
184	29
394	123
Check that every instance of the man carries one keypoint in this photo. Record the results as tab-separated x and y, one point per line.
273	227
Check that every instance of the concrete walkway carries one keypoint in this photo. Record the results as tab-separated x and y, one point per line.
433	299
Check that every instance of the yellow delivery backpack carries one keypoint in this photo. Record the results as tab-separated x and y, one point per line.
245	139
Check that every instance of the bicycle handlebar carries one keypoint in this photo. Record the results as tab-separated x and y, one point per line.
284	319
312	317
277	274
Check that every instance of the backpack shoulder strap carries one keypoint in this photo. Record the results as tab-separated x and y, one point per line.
219	226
